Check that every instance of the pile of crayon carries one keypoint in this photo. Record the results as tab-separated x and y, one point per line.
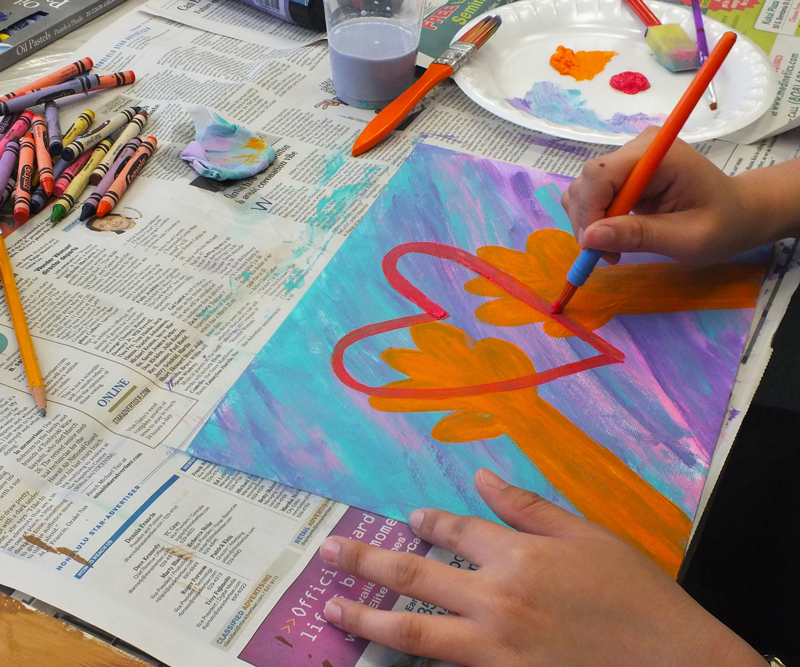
30	141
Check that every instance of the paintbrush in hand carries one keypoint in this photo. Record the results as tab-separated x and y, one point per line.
640	175
442	68
702	49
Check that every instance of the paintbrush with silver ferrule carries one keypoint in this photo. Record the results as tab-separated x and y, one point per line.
442	68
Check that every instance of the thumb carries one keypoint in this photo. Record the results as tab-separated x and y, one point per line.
524	510
676	235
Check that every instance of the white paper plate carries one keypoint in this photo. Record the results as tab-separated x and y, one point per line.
517	60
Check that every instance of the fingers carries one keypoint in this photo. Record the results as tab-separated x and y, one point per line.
681	236
408	574
478	540
448	637
525	510
589	196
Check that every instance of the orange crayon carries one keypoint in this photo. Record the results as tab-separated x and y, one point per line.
82	66
114	80
22	202
126	176
44	163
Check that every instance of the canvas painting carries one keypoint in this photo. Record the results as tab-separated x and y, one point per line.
426	349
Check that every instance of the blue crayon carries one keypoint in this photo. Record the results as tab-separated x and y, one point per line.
53	128
38	200
59	168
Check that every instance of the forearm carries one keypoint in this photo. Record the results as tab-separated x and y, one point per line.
771	198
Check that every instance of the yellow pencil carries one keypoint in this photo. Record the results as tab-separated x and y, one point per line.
20	324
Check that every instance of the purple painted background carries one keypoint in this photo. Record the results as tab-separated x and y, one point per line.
289	418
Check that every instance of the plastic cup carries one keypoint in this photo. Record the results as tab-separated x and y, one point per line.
373	48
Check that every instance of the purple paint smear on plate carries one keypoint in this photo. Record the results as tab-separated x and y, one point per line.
549	101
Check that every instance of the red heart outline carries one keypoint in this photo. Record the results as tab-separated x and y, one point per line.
433	312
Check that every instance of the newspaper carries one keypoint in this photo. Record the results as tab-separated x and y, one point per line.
101	513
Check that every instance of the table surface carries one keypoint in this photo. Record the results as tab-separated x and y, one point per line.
741	568
29	637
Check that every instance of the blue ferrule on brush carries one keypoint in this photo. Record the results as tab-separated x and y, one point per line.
583	266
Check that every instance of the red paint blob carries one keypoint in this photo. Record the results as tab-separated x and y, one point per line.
629	83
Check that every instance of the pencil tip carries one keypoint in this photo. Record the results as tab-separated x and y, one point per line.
556	308
42	412
713	106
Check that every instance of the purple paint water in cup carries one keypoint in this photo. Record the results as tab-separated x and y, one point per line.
372	60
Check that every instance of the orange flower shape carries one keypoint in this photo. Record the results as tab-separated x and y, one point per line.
448	357
631	289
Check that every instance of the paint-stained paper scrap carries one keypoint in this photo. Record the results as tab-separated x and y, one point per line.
224	151
617	423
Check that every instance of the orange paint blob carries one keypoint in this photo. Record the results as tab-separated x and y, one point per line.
255	142
581	65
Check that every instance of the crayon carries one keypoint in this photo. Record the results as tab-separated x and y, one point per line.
80	126
79	183
38	200
6	122
78	68
72	168
91	139
11	186
126	176
90	205
18	129
44	163
8	163
53	128
22	201
131	130
81	84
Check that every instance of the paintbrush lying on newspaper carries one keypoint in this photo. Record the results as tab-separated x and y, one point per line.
442	68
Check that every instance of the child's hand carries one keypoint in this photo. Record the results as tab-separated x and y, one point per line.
556	591
690	211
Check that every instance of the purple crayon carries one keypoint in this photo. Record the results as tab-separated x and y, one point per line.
90	205
8	164
80	84
53	128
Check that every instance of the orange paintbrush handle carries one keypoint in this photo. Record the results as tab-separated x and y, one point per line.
644	12
643	171
388	119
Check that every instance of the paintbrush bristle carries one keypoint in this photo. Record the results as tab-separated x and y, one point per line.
482	31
